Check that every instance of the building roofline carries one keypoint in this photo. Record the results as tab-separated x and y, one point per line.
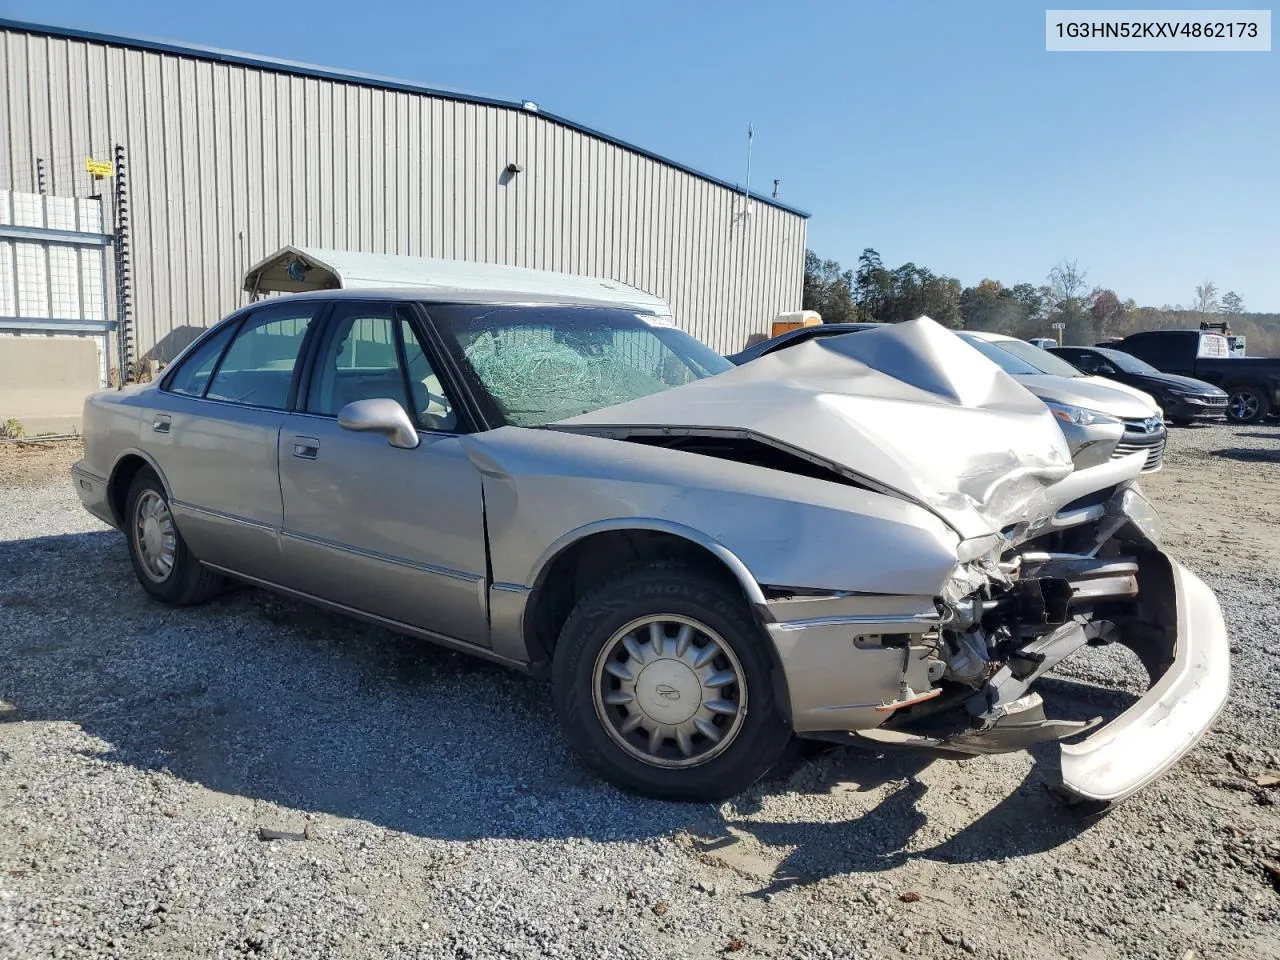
365	80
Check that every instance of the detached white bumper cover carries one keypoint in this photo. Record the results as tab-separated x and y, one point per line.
1152	735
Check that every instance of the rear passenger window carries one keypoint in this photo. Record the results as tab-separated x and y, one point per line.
192	377
257	369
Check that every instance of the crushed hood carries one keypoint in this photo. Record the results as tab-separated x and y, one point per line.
909	407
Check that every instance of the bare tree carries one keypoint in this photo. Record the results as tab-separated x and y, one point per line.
1066	294
1066	281
1206	298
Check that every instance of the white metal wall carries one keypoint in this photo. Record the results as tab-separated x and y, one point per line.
228	162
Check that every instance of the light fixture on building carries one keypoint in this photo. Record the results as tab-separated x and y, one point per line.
513	168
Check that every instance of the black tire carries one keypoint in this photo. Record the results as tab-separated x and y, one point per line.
187	581
680	591
1247	405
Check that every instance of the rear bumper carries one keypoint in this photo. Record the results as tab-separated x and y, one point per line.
1152	735
92	490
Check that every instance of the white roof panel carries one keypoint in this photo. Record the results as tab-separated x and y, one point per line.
299	269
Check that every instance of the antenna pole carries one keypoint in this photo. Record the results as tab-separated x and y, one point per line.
746	194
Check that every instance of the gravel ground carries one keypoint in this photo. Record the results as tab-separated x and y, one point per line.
433	811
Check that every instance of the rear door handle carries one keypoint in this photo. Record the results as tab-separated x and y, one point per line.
308	448
160	423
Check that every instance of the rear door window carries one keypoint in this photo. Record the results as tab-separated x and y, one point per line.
258	368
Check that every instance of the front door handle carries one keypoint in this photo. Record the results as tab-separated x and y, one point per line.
160	423
308	448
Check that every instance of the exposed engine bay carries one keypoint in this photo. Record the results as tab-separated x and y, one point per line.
993	645
964	686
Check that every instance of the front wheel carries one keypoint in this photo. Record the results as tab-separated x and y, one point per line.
162	562
1247	405
663	685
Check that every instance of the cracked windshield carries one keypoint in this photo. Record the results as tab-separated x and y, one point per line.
540	365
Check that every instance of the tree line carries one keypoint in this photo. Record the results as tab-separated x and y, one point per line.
873	292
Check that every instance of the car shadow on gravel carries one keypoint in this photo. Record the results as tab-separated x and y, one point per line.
1249	454
257	697
1028	820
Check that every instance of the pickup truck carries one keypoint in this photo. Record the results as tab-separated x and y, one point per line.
1252	383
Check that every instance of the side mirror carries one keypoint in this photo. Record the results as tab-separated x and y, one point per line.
380	415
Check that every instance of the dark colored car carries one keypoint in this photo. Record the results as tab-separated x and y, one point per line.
792	337
1183	399
1252	383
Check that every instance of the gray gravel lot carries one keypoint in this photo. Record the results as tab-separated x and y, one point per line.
438	814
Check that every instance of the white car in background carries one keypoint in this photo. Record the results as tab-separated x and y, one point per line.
1102	420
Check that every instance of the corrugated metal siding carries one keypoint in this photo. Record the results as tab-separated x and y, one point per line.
229	163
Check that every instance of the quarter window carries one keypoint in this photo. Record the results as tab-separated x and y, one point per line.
258	367
192	377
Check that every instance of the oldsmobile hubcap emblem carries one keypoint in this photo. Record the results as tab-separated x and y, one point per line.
669	690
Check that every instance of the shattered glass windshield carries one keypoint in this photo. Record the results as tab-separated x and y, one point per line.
534	365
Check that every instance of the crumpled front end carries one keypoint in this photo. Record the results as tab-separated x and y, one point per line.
957	674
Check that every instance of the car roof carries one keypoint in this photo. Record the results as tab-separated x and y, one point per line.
984	335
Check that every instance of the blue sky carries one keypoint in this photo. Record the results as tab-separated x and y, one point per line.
940	133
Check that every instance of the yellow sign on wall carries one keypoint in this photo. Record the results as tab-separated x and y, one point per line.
98	168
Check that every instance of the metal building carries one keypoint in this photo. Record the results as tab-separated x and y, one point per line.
225	157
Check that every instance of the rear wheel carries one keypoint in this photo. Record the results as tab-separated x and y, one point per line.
1247	405
663	685
162	562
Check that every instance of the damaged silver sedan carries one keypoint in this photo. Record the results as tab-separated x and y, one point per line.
875	537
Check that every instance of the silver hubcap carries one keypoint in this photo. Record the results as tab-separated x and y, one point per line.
670	691
1243	406
154	537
